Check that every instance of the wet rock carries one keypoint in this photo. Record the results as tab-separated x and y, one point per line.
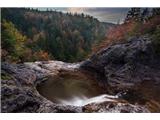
6	91
51	67
114	107
49	107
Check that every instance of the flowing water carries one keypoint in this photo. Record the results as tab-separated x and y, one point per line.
73	88
83	100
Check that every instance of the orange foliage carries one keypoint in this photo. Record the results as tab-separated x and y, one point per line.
150	25
41	55
122	32
116	34
119	32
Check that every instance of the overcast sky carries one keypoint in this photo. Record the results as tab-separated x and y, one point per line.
112	15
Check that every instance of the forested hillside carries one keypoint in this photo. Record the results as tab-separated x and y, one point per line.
138	22
31	35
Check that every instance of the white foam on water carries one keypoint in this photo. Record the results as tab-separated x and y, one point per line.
82	100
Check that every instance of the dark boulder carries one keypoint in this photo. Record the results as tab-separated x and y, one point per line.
126	63
131	67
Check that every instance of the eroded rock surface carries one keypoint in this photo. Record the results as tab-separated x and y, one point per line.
19	93
132	68
114	107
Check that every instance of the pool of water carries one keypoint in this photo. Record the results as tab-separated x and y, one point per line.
70	88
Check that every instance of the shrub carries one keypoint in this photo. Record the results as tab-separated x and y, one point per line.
150	25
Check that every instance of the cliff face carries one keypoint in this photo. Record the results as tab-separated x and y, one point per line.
131	69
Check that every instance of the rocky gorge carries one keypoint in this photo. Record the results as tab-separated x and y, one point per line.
124	77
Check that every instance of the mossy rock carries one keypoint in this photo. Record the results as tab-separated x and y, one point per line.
5	76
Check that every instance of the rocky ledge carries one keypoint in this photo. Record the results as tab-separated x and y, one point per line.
19	81
131	70
19	93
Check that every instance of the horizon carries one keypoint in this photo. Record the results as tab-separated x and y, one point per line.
109	15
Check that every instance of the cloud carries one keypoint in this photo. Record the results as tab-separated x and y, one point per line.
101	13
77	10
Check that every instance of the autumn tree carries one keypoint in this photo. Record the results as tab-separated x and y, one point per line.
66	37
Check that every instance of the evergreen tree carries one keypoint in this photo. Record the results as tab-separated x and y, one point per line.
145	15
156	11
133	14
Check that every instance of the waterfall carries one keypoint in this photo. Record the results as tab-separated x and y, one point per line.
83	100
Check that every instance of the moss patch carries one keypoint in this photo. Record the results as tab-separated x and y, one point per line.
5	76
